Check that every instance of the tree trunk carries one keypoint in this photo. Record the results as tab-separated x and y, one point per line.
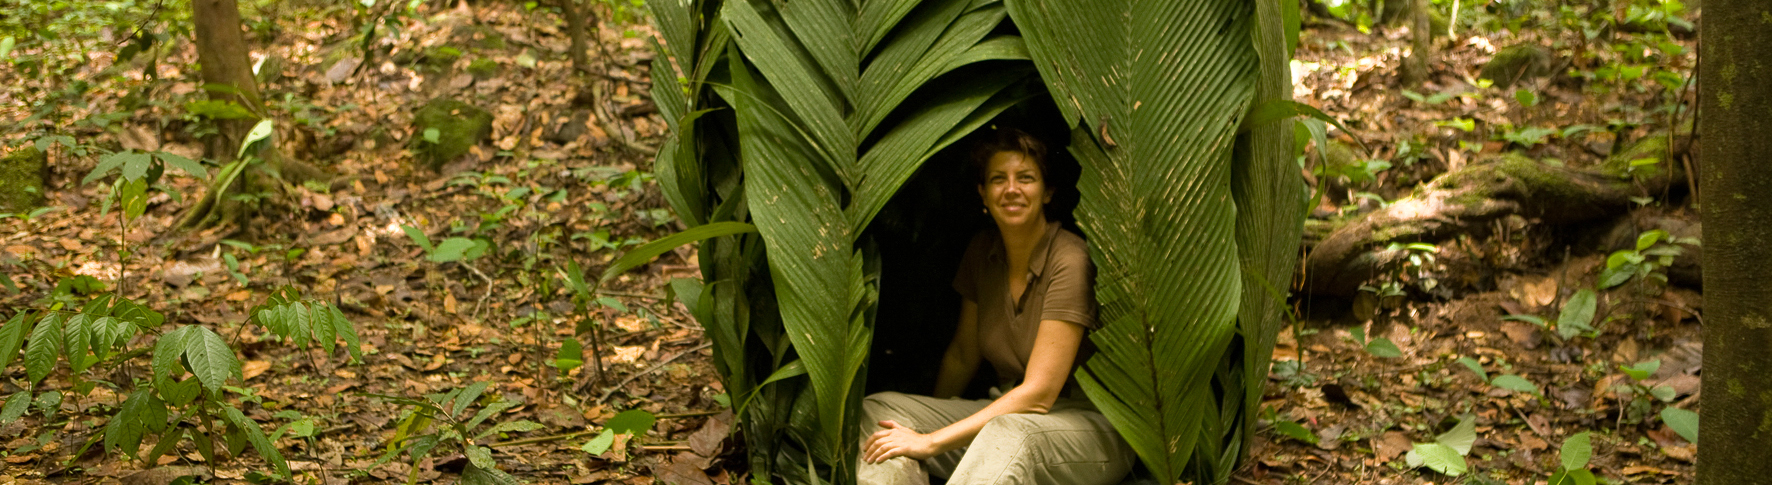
1421	50
1400	12
222	53
575	28
1735	187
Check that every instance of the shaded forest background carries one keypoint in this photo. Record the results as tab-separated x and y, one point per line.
1499	285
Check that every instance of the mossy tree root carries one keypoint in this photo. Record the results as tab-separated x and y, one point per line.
1468	200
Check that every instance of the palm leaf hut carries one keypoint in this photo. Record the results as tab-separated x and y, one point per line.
837	129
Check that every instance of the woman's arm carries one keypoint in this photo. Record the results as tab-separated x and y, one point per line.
1049	365
960	362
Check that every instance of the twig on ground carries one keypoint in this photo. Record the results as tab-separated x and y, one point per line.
649	370
489	286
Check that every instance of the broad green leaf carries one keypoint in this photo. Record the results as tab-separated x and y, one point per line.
468	396
1532	319
6	46
209	357
125	430
570	356
632	421
1153	93
1615	275
492	410
1514	383
1383	347
134	196
599	444
259	131
1438	457
1681	421
1578	314
479	456
45	346
1576	451
1460	437
255	436
451	250
12	336
1641	370
15	407
189	166
1576	476
519	426
646	252
1476	367
135	165
105	165
1663	393
477	475
1295	431
418	237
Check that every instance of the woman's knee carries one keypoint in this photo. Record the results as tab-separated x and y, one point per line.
882	406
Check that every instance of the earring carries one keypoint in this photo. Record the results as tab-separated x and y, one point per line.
985	210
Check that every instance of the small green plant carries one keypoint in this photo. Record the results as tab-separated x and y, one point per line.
190	368
1575	453
1288	428
1642	396
633	423
1411	263
450	250
1654	252
1511	382
1377	346
1446	454
442	422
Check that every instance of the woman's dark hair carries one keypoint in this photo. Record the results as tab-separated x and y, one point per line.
1007	140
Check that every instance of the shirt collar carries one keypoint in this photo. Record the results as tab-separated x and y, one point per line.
1037	259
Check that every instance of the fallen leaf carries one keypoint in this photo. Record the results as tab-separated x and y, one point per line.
1640	469
25	458
163	475
684	472
1390	445
252	368
436	362
707	440
240	295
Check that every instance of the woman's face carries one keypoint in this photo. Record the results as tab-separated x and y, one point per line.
1014	190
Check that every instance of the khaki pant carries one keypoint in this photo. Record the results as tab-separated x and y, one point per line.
1071	445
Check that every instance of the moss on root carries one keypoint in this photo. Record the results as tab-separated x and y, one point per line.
459	126
1519	62
22	175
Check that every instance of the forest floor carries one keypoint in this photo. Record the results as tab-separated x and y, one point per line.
563	178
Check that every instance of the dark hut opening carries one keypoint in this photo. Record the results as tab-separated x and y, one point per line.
923	231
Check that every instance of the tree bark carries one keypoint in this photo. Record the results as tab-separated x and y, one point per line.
1735	95
222	53
1397	11
575	28
1421	50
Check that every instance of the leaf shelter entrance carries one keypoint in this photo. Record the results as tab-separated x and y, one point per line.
836	128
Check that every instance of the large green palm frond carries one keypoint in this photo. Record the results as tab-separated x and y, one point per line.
811	136
1155	92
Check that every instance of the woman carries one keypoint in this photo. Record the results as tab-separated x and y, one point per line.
1028	301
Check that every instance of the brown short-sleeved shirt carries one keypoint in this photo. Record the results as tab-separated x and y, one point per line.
1060	286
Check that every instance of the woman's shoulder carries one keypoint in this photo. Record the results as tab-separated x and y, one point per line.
1069	248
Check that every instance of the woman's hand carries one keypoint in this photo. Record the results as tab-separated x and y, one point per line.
896	441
